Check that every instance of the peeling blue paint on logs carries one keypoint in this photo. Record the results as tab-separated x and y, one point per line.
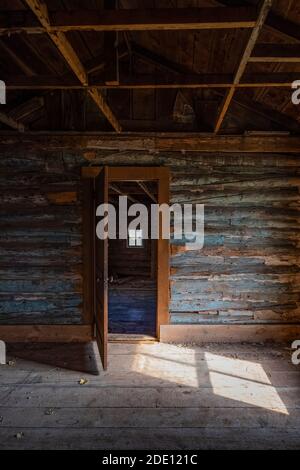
248	270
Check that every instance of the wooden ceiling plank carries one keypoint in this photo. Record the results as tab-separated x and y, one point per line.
263	12
252	106
23	22
39	8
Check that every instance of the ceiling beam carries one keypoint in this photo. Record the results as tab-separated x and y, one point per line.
263	12
249	80
156	19
101	102
126	19
39	8
190	142
23	21
282	53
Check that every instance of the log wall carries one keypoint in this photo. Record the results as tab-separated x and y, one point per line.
248	270
40	238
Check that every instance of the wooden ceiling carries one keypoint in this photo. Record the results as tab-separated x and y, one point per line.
219	66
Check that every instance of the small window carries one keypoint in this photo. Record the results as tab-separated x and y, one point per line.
135	239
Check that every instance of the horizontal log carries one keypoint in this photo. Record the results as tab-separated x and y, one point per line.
132	20
46	333
162	142
59	316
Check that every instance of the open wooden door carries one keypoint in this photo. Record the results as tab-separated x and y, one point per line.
101	272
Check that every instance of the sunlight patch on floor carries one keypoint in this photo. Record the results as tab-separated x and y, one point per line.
168	370
243	381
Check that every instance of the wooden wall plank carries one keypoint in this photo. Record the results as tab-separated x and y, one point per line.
199	334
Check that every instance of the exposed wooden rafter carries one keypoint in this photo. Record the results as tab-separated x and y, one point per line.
253	106
263	12
63	45
126	20
174	75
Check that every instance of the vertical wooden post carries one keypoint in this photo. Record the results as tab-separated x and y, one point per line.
163	255
88	251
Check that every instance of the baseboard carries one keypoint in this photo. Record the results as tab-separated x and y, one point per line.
199	334
46	333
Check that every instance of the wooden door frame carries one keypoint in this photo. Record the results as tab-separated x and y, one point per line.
162	176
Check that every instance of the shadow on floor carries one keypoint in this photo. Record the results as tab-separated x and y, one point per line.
79	357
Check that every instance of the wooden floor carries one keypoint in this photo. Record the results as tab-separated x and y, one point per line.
153	396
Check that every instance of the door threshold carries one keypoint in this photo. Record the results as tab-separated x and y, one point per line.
131	338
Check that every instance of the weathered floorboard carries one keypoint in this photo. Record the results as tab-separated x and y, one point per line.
154	396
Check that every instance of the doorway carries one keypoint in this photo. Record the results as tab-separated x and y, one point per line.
126	281
132	267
